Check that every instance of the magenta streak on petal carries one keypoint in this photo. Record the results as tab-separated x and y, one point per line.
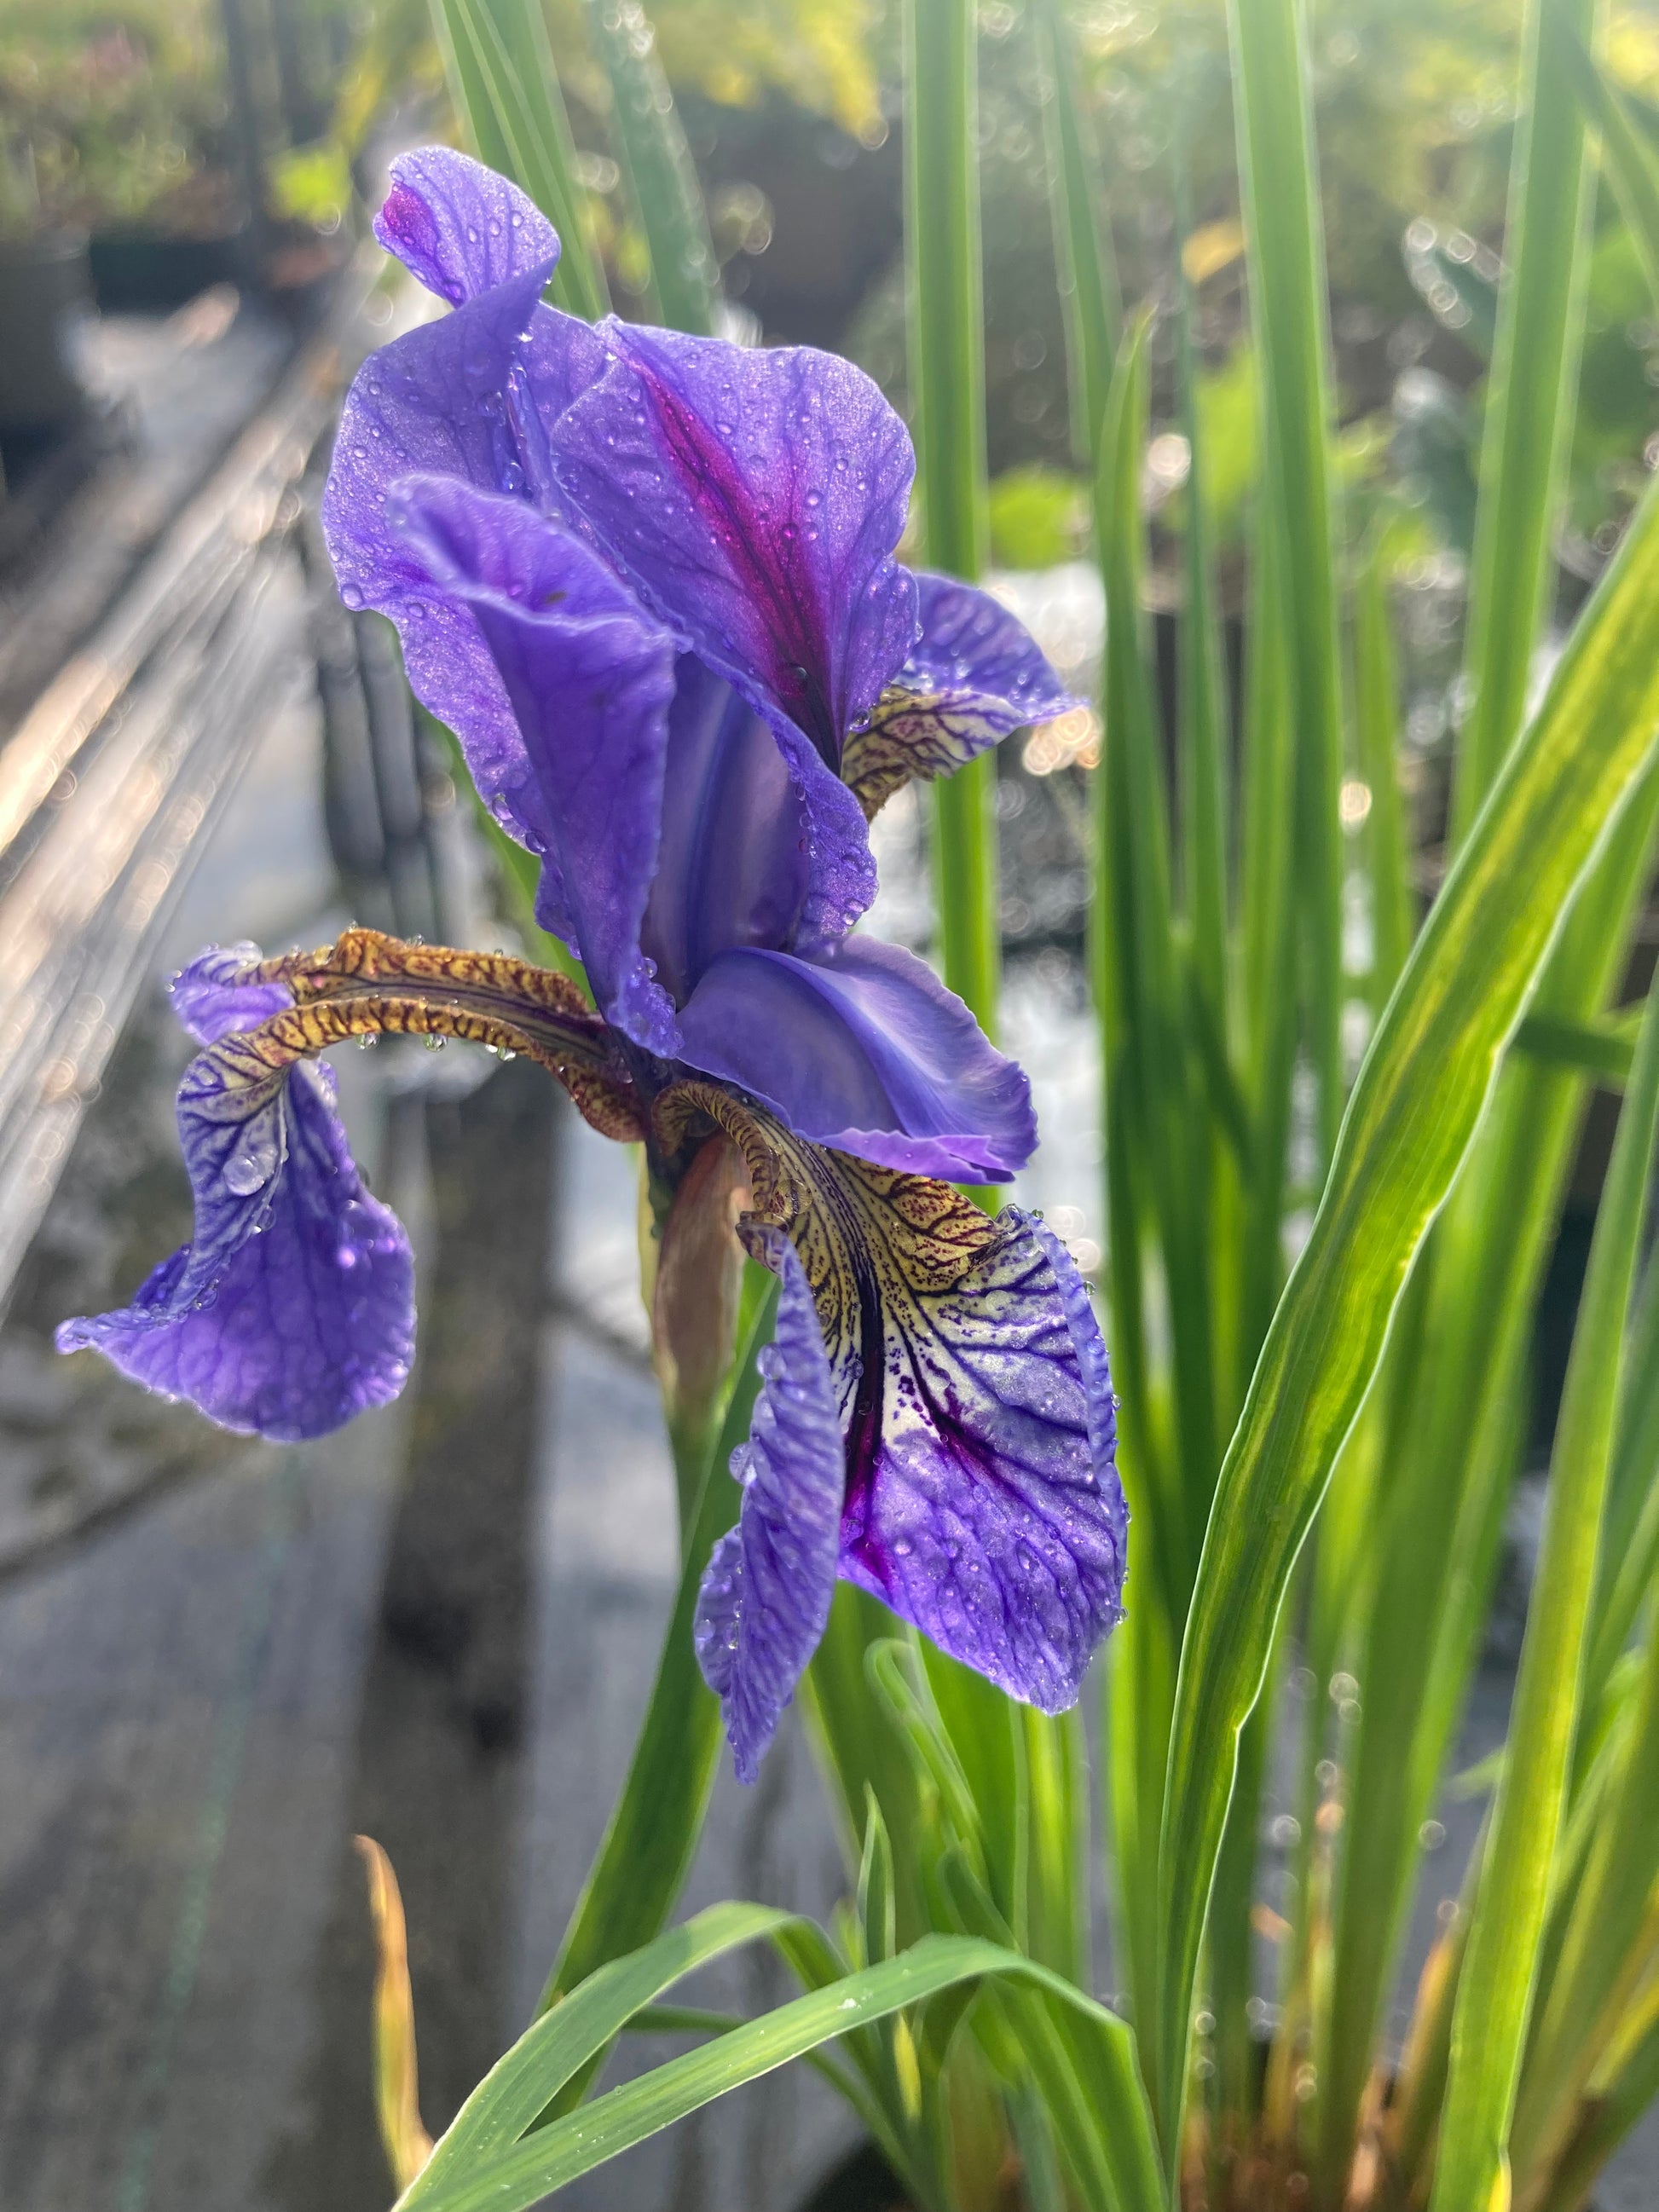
771	576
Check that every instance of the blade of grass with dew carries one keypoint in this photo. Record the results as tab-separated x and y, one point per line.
947	397
562	2046
1289	320
1083	258
652	1836
1137	996
506	92
662	180
1529	402
1415	1107
519	2176
1495	1990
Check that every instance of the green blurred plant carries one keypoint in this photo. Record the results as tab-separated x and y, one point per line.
108	113
1335	1161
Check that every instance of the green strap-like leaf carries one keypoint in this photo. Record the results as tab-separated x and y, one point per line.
1632	164
641	1865
947	400
1495	1990
518	2089
1415	1107
502	81
1289	313
662	181
1083	245
494	2174
1529	404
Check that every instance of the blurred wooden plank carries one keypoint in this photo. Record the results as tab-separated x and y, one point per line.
109	782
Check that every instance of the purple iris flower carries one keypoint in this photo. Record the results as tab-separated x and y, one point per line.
649	581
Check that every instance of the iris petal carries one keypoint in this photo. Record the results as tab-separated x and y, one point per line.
982	1502
588	677
215	996
977	1507
731	868
459	227
863	1048
765	1598
472	397
292	1308
755	499
974	674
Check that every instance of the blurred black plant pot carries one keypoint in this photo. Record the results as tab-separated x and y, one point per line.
862	2181
133	271
44	298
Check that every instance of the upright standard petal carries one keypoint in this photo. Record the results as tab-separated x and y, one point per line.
974	674
291	1308
732	867
588	677
756	498
863	1048
765	1597
460	228
472	397
982	1503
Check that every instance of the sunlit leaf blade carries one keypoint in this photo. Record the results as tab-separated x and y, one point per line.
662	181
562	2043
1496	1986
506	93
1416	1105
1290	319
1457	1389
500	2174
1529	403
947	397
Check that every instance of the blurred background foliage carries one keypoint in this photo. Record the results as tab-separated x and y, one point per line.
789	108
111	110
114	111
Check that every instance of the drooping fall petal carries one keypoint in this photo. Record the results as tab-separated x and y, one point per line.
765	1597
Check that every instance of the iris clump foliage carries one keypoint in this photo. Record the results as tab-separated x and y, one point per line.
650	582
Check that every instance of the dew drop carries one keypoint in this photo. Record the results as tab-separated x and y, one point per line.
253	1163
